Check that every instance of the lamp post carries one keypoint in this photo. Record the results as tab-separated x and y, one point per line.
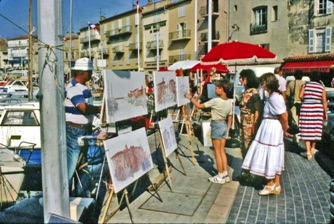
157	39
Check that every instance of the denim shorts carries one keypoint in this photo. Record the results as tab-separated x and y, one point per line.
218	129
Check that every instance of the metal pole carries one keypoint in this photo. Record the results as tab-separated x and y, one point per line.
70	51
209	25
53	132
29	52
138	35
195	33
157	37
89	53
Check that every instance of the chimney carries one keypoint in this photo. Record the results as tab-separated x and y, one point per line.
102	18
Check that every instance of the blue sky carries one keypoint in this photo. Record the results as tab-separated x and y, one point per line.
83	11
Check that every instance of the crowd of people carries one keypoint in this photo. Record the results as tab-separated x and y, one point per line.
268	110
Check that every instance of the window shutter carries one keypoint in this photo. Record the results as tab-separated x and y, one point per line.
328	39
316	7
329	7
311	41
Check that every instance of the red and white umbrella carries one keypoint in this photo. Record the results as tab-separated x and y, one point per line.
236	53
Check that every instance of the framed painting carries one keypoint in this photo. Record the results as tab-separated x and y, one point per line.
167	131
211	90
125	95
206	134
164	90
128	157
182	87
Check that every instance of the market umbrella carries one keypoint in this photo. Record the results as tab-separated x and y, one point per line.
236	53
186	64
220	68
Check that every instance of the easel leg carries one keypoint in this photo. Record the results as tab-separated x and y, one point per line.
111	192
127	203
187	121
154	187
178	157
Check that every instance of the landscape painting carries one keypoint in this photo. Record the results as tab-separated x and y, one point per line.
168	135
129	158
164	90
125	94
182	87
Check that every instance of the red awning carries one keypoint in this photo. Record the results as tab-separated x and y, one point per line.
308	66
220	68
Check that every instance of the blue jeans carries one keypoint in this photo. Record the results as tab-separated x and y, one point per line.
73	148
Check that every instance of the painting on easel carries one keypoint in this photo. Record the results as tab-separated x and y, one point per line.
182	87
206	134
125	94
168	135
164	90
128	157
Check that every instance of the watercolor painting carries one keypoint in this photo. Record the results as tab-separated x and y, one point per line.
164	90
211	90
182	87
128	157
167	131
206	134
125	94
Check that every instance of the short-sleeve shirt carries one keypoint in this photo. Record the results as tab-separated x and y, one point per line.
275	106
220	108
281	82
77	93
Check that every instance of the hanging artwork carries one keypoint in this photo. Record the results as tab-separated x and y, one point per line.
168	135
125	94
206	134
182	87
164	90
129	158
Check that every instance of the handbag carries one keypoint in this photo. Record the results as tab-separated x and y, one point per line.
293	128
298	106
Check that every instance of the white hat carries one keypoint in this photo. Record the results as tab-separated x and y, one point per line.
83	64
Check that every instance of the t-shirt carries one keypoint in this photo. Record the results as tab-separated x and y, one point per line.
77	93
281	82
291	86
220	108
275	106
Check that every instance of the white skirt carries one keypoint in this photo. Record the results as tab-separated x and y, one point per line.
265	156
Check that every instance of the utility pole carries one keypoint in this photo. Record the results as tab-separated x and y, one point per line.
53	132
29	83
209	25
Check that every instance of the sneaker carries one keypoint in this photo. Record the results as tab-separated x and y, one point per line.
227	178
217	180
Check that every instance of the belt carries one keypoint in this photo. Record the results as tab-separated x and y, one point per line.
80	126
220	120
270	118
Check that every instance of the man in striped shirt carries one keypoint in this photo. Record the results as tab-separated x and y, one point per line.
79	111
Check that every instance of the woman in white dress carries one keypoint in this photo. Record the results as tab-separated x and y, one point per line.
265	156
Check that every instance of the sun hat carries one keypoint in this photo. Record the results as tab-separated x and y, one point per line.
83	64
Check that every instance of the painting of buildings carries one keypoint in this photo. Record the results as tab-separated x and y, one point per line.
125	94
168	135
182	87
164	90
129	158
206	134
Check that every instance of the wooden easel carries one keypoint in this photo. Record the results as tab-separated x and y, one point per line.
190	131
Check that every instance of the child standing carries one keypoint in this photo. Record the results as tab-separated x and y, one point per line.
221	110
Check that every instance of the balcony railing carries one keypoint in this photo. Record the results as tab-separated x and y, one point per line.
153	45
176	58
215	36
119	31
258	29
204	11
92	38
105	50
180	35
118	49
134	46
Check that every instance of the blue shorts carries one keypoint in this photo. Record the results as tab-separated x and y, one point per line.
218	129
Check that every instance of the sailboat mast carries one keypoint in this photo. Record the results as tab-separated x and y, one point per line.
29	83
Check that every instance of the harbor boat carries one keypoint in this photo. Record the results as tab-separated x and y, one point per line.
11	176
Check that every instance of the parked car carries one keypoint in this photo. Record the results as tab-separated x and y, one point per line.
14	86
328	129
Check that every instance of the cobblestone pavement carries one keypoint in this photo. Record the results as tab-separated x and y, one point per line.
304	197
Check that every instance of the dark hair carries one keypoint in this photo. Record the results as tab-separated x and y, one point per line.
271	81
252	81
223	83
277	69
315	76
299	74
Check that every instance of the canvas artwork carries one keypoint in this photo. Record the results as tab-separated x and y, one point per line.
211	90
129	158
164	90
206	134
125	94
182	87
168	135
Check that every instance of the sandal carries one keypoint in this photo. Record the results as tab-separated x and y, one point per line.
314	151
309	156
217	180
267	190
278	189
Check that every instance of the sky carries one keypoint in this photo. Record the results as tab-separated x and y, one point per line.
84	11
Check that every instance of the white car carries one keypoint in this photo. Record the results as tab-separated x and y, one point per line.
14	86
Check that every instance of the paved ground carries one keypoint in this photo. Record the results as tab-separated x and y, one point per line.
192	199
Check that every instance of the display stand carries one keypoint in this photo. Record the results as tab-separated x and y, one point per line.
190	131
